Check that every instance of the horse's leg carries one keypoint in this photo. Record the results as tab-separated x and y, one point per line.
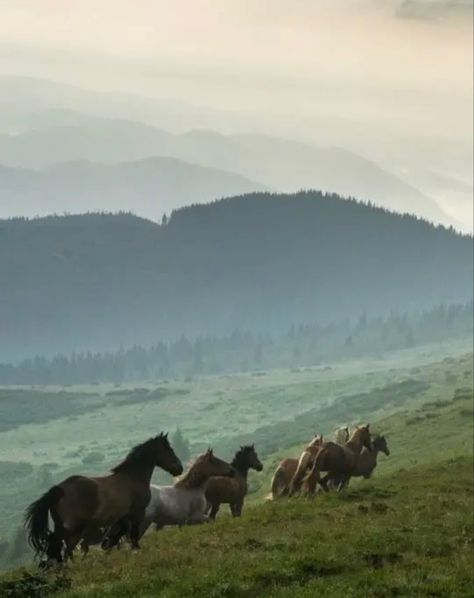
84	547
344	482
73	537
135	522
114	534
55	548
236	509
214	510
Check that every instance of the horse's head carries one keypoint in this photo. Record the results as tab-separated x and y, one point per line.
380	444
251	457
213	466
166	457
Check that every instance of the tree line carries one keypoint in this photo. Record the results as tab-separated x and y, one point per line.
302	345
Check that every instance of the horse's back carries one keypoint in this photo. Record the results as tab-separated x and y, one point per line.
289	466
173	505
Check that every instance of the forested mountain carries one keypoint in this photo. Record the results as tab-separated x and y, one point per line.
275	163
258	262
150	187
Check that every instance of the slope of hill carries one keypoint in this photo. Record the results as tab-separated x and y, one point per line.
278	163
150	187
258	262
405	532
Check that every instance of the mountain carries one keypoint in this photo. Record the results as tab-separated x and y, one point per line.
276	163
150	187
28	100
257	262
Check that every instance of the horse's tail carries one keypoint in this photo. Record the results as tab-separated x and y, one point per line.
278	484
37	519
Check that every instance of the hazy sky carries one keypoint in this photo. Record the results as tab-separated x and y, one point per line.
365	55
387	70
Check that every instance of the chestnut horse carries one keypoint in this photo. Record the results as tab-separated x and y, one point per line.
339	461
232	491
367	460
79	503
290	471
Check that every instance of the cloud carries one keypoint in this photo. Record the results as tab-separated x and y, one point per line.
434	10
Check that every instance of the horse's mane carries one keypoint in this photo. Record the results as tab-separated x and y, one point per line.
189	475
240	456
317	440
139	454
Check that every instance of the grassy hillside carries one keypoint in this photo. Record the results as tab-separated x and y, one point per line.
393	535
409	534
48	433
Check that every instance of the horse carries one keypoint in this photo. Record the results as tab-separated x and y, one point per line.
367	460
79	503
291	470
339	461
232	491
185	503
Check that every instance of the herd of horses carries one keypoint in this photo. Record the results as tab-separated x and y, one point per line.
124	504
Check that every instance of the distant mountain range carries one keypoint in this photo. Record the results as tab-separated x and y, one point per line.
148	187
257	262
263	162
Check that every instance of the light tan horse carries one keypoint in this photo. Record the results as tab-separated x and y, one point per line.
291	471
79	503
339	461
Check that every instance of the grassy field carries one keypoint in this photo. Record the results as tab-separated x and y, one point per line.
405	534
422	401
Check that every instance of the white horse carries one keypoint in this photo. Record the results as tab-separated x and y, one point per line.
185	502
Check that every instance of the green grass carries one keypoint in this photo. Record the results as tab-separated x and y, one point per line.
421	400
406	534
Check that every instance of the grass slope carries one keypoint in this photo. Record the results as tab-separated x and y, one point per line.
409	534
406	532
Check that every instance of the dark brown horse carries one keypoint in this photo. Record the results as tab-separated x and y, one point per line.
79	504
366	461
339	461
232	490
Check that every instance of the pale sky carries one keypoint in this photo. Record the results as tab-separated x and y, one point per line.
244	53
400	67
